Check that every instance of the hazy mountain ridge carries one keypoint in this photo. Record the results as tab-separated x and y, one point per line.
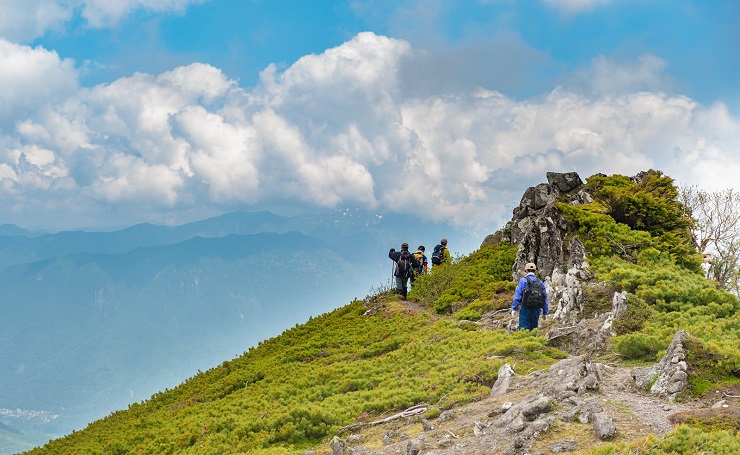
347	229
107	318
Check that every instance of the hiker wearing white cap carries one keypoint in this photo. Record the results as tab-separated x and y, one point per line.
530	298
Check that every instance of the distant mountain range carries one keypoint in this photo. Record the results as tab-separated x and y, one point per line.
97	320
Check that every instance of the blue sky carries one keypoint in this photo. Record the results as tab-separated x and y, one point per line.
115	113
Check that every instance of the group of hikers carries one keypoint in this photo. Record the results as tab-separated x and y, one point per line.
530	296
409	265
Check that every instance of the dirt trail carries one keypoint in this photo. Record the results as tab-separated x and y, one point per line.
619	388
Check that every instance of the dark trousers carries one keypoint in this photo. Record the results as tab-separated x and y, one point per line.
529	317
402	285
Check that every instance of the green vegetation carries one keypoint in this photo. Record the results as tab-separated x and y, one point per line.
686	440
470	286
638	240
295	391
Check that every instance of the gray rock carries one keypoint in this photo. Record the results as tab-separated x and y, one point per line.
413	447
538	427
576	254
479	429
603	426
644	376
531	410
503	381
337	446
508	417
517	425
427	425
587	409
564	182
563	446
447	415
575	373
355	438
538	228
679	376
671	378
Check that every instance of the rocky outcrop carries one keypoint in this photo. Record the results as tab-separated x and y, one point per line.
669	377
566	287
537	225
572	376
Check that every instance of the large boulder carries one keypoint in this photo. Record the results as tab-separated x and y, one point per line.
564	182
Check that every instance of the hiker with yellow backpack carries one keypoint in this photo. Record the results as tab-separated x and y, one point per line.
423	267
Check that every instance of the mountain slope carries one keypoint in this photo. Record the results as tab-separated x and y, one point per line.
620	291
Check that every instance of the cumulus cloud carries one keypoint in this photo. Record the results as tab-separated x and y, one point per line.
24	20
338	129
30	77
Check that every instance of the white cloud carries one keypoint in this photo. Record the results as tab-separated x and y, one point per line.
335	129
31	77
608	77
24	20
575	6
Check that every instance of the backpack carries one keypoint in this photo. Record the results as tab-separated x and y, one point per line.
420	258
533	295
438	256
404	264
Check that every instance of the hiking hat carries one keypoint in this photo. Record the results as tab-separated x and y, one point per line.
443	241
530	267
404	246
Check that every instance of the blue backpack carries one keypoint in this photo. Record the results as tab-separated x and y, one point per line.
438	256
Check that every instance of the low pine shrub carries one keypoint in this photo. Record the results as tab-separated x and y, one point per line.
638	346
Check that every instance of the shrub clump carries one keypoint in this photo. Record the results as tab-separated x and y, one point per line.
709	419
638	346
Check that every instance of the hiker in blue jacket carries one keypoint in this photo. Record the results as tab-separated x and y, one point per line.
529	312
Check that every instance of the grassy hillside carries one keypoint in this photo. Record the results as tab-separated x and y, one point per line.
295	391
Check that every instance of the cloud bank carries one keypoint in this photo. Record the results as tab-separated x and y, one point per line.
332	130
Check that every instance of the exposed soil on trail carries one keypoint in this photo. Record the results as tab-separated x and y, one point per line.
413	306
650	411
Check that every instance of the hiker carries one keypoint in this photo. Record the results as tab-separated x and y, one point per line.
405	265
441	254
531	298
423	264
